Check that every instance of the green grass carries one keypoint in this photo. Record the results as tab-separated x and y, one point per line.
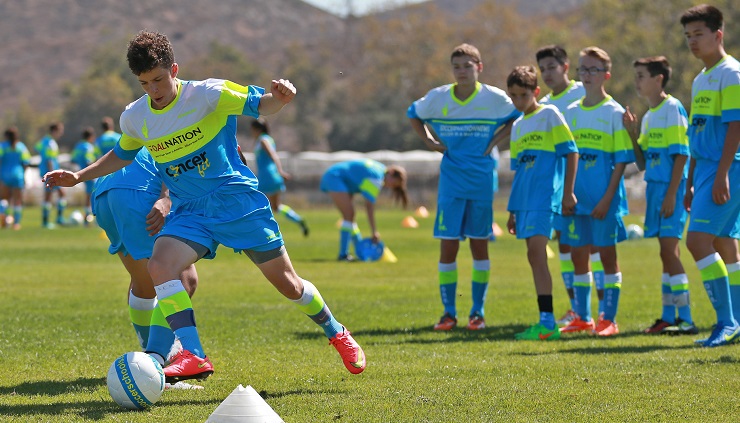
64	320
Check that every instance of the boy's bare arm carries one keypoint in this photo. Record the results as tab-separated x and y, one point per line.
423	132
569	197
599	212
107	164
281	93
721	188
633	129
669	202
502	135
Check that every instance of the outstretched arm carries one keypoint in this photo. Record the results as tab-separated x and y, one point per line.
103	166
281	93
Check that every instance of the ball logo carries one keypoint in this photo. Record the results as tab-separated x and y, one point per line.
129	384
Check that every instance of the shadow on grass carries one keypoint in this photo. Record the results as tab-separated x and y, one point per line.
93	410
725	359
420	334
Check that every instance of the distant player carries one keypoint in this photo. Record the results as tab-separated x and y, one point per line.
604	149
83	155
713	184
189	127
270	173
48	150
366	177
554	66
108	139
14	159
465	116
545	159
661	149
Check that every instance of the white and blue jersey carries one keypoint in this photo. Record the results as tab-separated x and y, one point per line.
83	155
602	143
540	142
355	177
193	142
466	128
13	162
573	92
270	180
48	150
715	103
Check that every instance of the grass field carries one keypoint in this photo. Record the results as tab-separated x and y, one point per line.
64	320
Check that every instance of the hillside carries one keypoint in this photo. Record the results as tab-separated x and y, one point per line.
50	42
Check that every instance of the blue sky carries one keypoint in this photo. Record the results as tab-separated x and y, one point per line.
360	7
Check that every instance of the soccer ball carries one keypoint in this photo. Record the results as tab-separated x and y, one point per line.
135	380
76	218
634	232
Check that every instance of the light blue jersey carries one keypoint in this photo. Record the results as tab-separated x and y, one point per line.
355	177
662	137
466	128
141	175
49	152
715	103
540	142
270	180
573	92
106	142
13	161
602	142
83	154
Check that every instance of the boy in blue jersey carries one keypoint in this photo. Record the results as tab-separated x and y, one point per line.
14	159
189	127
554	65
270	173
469	118
83	155
545	159
131	205
366	177
713	185
48	150
604	150
108	139
661	149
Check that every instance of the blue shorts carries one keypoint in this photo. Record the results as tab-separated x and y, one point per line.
234	217
13	181
560	222
458	218
122	215
585	230
332	181
533	223
270	182
657	225
708	217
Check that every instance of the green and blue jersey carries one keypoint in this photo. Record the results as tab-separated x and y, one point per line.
13	160
49	153
193	140
466	128
573	92
662	137
540	142
140	175
363	176
715	103
602	143
83	154
106	142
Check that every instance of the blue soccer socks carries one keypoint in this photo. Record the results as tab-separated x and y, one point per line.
175	304
612	289
716	282
481	275
448	286
582	288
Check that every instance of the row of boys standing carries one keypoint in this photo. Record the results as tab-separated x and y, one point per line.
15	158
569	155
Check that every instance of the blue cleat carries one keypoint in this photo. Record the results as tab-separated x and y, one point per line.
722	335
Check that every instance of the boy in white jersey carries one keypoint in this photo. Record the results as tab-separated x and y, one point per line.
554	65
604	150
661	149
465	116
189	127
713	184
545	158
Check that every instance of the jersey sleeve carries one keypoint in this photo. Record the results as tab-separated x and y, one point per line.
370	188
677	132
237	99
730	94
623	152
562	137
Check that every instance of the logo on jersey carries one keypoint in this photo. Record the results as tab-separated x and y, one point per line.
199	162
589	158
527	160
654	158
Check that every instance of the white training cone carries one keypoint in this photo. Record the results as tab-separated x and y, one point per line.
244	405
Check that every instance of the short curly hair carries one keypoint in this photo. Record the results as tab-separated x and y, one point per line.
149	50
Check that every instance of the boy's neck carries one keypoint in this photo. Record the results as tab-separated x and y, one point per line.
558	89
593	98
655	100
462	92
714	58
532	108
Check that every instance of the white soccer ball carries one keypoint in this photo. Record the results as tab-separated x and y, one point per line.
135	380
634	232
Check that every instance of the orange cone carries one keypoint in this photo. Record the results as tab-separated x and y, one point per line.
409	222
422	212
